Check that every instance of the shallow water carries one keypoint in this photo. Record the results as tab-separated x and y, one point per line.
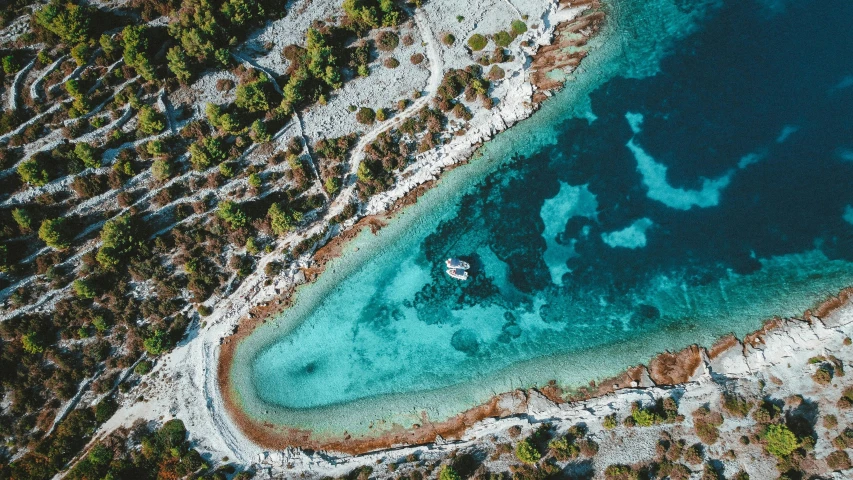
693	179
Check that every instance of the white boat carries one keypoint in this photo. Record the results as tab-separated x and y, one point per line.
457	273
455	263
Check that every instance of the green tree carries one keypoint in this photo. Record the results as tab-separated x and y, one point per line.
84	289
448	473
526	452
157	342
155	148
282	220
32	172
109	45
332	184
32	342
179	64
80	54
232	214
255	180
23	219
207	153
259	132
118	241
67	21
87	154
151	121
162	169
254	96
52	232
518	27
780	441
135	43
10	66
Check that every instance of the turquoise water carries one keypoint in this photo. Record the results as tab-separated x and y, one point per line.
692	180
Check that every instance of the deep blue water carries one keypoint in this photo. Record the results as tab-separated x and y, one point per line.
678	201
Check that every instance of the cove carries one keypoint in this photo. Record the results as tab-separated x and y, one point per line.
693	179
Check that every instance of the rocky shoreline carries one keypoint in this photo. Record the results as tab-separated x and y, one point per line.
583	19
776	359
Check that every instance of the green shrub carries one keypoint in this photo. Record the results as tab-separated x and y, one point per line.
620	472
448	39
209	152
563	449
526	452
780	441
53	233
105	409
332	185
610	422
735	405
227	169
143	367
502	39
68	21
477	42
179	64
643	417
204	310
387	41
101	323
518	27
365	116
259	132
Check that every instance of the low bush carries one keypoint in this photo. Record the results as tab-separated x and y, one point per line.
779	440
838	460
477	42
502	38
527	452
518	27
620	472
735	405
387	41
365	116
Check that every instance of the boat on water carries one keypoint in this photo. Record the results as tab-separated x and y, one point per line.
455	263
457	273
